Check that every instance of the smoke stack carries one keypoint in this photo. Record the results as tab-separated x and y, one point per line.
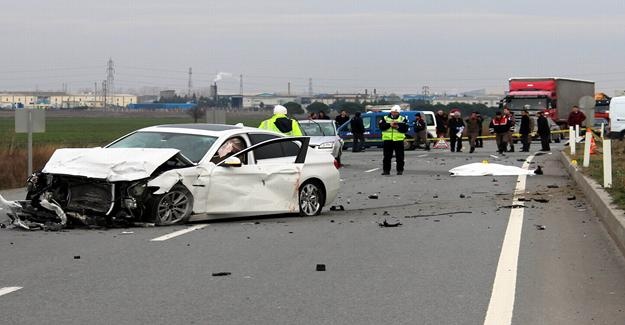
213	92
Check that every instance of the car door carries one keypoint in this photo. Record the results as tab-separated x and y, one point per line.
267	184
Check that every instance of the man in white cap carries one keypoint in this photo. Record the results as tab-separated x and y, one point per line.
280	123
394	128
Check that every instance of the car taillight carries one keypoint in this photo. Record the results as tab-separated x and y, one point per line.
337	164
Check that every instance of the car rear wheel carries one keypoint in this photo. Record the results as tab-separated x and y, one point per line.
172	207
311	199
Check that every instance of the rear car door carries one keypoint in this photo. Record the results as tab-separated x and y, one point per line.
267	184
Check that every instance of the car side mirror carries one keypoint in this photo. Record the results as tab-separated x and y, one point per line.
232	162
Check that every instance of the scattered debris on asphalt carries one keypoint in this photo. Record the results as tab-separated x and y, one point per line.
385	213
438	214
553	186
435	197
222	274
144	224
76	257
320	267
512	206
538	171
337	208
2	226
373	196
386	224
571	197
540	227
540	200
462	196
127	232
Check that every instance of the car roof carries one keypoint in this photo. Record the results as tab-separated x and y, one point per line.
315	121
216	130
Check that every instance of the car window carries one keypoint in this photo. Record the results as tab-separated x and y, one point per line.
429	119
192	146
367	122
229	148
257	138
279	150
318	129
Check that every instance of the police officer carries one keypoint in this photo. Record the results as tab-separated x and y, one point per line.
394	128
280	123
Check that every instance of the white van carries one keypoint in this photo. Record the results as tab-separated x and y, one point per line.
617	117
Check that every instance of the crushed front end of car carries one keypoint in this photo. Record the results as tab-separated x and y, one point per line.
93	187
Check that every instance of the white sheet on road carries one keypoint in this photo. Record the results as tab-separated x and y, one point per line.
112	164
488	169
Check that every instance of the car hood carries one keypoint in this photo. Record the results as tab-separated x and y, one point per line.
317	140
111	164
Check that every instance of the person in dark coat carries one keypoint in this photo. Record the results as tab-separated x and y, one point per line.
358	131
525	128
341	118
479	143
473	126
456	128
441	124
543	131
420	132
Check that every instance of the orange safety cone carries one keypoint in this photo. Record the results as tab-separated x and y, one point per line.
593	146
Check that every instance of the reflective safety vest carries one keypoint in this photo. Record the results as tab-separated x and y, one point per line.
270	124
393	134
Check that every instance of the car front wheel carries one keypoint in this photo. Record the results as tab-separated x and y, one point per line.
311	197
172	207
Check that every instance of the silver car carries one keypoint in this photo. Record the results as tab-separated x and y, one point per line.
323	136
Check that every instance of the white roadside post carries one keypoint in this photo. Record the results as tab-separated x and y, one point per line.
587	148
607	163
602	129
572	139
577	137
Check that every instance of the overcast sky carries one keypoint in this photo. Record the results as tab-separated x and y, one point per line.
347	46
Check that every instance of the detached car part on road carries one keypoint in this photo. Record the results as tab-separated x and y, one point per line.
171	174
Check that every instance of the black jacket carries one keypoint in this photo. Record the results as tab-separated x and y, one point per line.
419	125
543	126
340	120
455	124
357	125
524	128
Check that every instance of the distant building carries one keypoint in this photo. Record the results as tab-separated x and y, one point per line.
147	99
167	94
63	100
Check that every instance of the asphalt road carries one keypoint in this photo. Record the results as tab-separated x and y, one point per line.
438	267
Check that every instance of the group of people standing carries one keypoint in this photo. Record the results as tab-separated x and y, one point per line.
454	127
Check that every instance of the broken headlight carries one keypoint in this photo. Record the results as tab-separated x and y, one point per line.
137	189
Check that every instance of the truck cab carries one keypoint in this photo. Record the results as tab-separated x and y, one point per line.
373	134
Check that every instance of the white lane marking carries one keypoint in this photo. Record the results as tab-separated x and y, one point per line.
178	233
7	290
422	156
371	170
501	304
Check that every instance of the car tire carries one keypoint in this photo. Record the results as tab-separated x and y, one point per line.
311	198
173	207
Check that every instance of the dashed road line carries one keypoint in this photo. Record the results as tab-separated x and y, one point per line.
371	170
7	290
178	233
501	306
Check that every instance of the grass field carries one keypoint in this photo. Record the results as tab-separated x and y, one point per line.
595	170
77	131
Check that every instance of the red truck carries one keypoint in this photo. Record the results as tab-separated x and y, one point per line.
554	96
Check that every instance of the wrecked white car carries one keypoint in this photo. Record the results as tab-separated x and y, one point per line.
171	174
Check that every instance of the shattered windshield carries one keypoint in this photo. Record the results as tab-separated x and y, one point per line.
192	146
318	129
